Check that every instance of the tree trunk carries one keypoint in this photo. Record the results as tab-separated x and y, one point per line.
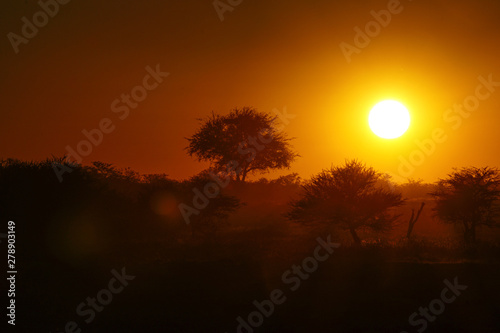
241	174
355	236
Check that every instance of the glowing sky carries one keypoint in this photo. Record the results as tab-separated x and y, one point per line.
265	55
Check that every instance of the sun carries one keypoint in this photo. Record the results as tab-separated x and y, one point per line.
389	119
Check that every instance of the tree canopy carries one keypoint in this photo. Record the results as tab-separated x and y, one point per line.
348	196
242	142
469	197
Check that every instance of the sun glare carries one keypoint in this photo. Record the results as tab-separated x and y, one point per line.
389	119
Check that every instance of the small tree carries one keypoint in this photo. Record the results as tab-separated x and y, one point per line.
347	196
242	142
469	197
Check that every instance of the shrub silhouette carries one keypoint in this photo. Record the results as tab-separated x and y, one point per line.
207	221
347	196
469	197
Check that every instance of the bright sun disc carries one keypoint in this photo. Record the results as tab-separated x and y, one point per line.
389	119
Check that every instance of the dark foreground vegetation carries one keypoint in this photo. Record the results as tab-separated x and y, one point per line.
241	246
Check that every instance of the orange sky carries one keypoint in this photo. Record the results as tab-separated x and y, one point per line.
284	54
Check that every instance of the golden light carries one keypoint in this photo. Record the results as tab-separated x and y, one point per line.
389	119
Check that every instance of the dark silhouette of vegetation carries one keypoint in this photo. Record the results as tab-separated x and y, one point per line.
242	142
469	197
349	197
116	206
415	189
70	233
218	209
123	206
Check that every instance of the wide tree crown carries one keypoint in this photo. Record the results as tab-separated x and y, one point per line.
349	195
469	195
244	137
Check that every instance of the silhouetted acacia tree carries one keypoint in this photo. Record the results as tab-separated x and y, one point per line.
242	142
349	197
469	197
